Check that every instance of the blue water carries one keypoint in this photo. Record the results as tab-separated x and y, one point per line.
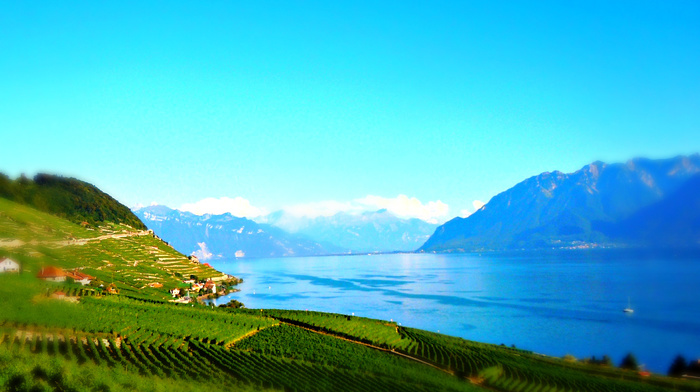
567	303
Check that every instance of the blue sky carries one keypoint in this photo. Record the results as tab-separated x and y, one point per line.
283	104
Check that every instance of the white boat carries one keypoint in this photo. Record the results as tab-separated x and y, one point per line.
628	309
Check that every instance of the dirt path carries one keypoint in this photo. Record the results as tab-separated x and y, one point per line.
13	243
84	241
249	334
370	346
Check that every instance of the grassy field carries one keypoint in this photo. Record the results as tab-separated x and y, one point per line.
119	254
87	340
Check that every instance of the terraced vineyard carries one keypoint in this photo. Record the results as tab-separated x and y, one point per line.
134	262
376	332
294	343
499	367
112	253
510	369
81	339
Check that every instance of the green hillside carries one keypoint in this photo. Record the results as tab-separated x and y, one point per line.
69	198
112	253
67	337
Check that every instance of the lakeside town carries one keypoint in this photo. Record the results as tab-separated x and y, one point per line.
189	290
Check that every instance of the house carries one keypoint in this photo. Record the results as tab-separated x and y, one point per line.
58	295
210	286
8	265
175	292
112	289
182	300
194	259
52	274
155	285
80	277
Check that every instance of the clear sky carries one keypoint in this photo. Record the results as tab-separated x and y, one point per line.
285	103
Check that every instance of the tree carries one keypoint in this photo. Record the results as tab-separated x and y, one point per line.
629	362
678	367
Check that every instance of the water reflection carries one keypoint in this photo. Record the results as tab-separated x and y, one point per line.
553	305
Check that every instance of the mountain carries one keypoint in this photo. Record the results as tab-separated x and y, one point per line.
372	231
650	225
69	198
584	208
226	236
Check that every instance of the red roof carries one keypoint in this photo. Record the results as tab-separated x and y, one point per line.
77	275
50	272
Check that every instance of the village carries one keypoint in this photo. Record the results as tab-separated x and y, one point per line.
189	290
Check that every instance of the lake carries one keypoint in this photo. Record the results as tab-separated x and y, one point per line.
554	304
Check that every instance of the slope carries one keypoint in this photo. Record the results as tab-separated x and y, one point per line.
69	198
129	259
650	225
226	236
372	231
556	210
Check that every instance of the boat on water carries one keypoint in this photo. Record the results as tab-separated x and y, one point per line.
628	309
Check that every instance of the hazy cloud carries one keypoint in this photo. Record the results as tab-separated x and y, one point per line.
321	208
477	206
401	206
237	206
203	253
407	207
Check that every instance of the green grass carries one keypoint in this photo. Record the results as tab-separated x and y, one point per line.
138	341
295	343
376	332
36	239
19	222
23	370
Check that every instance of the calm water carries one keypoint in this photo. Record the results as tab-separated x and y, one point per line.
555	305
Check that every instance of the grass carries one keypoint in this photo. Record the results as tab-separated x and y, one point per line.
140	342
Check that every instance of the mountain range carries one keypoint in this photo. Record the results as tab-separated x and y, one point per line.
642	202
370	231
216	236
281	234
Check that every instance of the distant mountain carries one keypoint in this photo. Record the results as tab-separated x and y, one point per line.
674	221
593	206
69	198
373	231
226	236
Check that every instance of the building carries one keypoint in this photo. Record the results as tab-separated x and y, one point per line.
8	265
175	292
112	289
80	277
210	286
52	274
58	295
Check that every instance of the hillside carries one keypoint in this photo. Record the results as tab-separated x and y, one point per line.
226	236
65	336
558	210
69	198
129	259
650	225
372	231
